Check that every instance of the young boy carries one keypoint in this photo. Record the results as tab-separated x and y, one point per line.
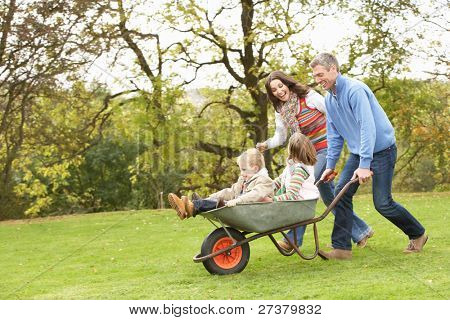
254	184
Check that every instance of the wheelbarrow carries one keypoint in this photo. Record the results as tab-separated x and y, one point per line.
226	250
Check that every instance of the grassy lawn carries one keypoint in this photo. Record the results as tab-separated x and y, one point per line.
148	255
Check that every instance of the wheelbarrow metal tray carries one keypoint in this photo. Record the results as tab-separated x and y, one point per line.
262	216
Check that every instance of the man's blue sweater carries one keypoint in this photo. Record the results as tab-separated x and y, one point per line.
354	115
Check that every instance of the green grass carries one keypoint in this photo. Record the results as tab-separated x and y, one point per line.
148	255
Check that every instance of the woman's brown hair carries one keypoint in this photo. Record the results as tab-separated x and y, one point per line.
301	149
294	86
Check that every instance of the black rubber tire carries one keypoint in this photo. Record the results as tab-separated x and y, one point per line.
212	239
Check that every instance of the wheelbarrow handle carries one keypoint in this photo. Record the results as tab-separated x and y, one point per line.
337	198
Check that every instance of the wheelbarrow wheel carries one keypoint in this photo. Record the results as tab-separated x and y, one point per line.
229	262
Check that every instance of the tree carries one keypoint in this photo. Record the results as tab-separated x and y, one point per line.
42	46
265	35
161	116
419	113
428	43
243	49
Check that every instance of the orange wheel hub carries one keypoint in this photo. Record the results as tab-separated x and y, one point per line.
228	259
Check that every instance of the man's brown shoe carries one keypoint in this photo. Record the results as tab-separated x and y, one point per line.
336	254
363	242
416	245
188	206
177	204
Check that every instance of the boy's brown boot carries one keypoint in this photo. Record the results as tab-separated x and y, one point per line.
188	206
177	204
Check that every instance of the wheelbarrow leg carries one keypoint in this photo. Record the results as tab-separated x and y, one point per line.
296	248
316	240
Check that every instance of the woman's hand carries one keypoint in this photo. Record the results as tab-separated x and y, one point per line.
328	175
262	146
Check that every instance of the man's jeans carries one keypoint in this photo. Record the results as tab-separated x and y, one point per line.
383	164
359	230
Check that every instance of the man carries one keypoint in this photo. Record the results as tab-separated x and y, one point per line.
355	116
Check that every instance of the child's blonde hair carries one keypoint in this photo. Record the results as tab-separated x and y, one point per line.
252	157
301	149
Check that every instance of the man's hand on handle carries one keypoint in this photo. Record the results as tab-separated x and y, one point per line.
364	175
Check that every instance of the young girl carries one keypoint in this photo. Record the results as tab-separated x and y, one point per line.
254	184
297	180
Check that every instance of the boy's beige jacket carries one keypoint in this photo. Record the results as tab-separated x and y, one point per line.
256	188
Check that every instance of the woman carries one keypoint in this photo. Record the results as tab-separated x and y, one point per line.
299	108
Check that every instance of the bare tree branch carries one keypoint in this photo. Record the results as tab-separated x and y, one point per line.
133	46
6	28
